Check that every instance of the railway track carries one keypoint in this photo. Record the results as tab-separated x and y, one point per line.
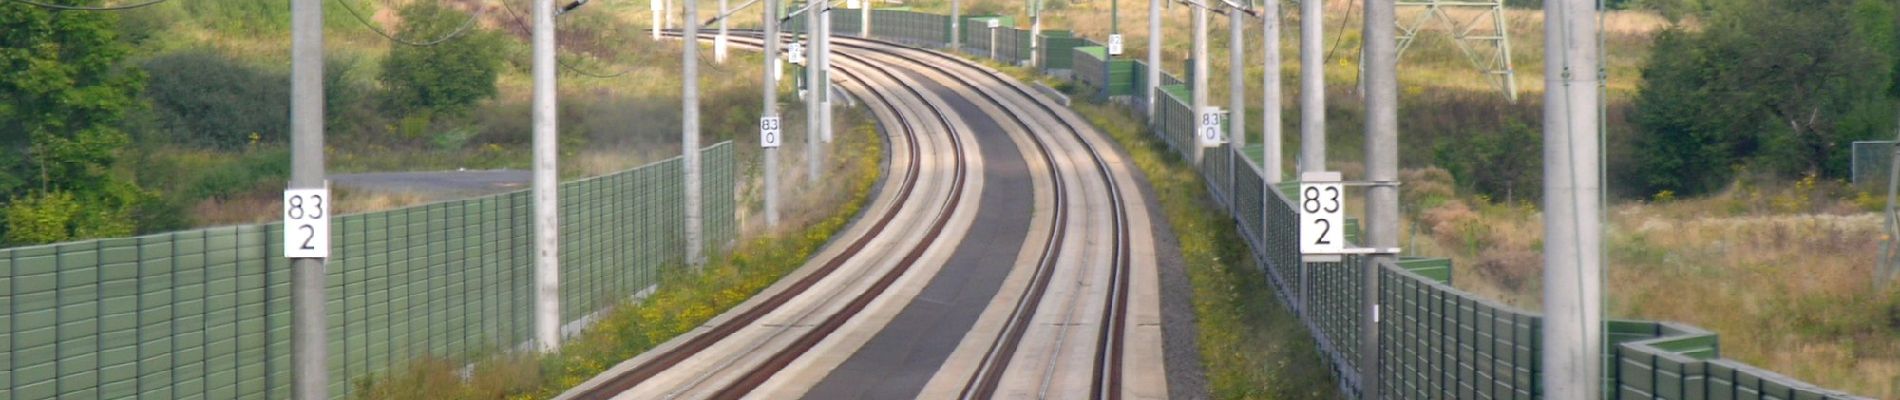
1085	258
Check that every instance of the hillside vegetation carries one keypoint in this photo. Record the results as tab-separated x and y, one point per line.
1725	213
186	120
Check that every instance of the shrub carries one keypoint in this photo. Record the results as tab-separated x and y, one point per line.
202	98
55	216
443	78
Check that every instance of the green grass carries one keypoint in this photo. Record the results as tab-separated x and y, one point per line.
684	300
1252	346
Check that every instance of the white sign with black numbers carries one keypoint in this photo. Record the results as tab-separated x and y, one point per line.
307	223
1322	207
795	53
1210	128
1115	44
768	132
995	23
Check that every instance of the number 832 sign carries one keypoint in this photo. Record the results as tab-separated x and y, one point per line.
1322	215
307	223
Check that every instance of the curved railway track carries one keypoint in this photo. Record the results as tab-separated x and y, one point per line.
889	93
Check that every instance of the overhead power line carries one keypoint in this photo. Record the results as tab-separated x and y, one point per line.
1340	34
557	59
458	32
87	8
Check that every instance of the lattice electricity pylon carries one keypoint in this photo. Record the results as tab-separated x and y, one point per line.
1484	38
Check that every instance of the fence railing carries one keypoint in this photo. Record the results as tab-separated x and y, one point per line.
206	313
1438	341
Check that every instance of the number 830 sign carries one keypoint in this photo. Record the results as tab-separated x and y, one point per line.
1322	215
307	223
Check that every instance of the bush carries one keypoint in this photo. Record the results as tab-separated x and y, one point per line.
1506	164
56	216
204	99
446	78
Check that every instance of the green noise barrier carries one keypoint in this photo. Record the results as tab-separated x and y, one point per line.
205	314
1439	341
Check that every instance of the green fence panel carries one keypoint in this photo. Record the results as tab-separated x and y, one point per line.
206	313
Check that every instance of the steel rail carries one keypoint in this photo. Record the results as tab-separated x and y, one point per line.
697	344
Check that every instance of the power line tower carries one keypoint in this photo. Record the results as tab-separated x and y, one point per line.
1476	26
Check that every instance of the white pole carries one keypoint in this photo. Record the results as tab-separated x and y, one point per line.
547	266
719	44
864	19
824	77
1200	76
1573	336
689	133
1154	60
813	11
1237	78
1312	88
771	110
956	25
659	16
1035	34
1236	92
308	320
1270	85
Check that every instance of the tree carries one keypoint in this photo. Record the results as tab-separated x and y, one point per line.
61	100
1783	84
1503	164
443	78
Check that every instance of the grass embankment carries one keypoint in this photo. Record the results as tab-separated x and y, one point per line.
223	64
1782	271
1252	346
683	301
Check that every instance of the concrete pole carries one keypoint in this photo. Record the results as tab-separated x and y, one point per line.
813	10
1200	76
1236	91
1573	242
824	78
309	322
1154	60
864	20
659	16
956	25
547	265
771	110
1237	77
1382	165
1035	34
689	133
1270	85
1312	88
719	44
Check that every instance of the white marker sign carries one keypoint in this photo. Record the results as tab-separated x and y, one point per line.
1321	203
995	23
1210	128
795	53
1115	44
768	132
307	223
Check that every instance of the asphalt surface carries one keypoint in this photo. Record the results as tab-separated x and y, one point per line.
901	359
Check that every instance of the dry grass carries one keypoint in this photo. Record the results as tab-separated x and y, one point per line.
683	302
1782	274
